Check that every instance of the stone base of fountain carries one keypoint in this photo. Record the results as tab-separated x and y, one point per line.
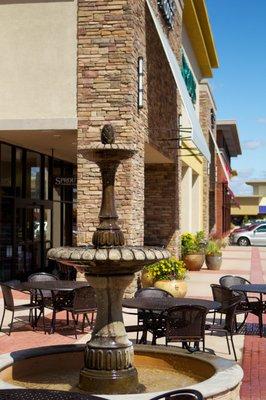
105	382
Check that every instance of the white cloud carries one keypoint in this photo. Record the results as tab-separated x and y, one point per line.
261	120
238	183
252	144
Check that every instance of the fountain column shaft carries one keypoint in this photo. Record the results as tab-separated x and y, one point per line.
108	232
109	353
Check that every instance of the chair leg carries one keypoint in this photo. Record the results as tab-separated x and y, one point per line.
11	324
52	329
233	346
75	323
67	317
261	324
43	321
4	311
227	341
83	322
214	317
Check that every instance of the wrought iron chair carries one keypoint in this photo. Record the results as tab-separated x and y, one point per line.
221	295
227	327
181	394
10	306
83	302
145	293
248	304
186	323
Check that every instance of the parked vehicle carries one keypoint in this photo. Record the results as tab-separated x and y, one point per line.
254	234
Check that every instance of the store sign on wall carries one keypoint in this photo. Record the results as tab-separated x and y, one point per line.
167	8
65	180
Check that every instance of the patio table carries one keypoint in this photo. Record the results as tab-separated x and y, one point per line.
258	288
156	306
55	287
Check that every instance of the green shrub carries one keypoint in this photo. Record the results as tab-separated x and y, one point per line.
213	248
168	269
193	243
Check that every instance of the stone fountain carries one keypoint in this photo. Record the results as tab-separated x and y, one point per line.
108	366
109	266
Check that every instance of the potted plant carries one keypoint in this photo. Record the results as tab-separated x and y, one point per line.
170	275
193	249
213	254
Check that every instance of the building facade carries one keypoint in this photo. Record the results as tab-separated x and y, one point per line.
69	68
251	207
228	146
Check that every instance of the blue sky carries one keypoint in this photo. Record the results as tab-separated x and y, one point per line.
239	85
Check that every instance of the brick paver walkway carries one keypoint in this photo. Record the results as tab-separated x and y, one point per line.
254	355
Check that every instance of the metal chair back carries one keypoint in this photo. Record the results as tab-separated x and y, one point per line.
152	292
84	299
223	295
230	280
230	313
181	394
41	277
185	322
8	297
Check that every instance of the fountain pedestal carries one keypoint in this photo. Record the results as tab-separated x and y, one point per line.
109	354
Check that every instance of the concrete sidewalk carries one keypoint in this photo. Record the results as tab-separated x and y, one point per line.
249	262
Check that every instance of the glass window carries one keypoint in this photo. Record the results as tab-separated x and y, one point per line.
6	169
33	175
261	229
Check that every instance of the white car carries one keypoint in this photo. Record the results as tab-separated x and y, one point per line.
255	235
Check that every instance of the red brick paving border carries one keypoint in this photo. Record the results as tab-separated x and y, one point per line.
254	354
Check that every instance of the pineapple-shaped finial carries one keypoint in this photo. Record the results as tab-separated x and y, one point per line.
108	134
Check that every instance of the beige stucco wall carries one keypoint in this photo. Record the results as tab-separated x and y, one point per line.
248	206
38	60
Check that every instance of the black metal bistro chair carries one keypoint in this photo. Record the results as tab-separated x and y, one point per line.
248	304
83	302
148	292
180	394
186	323
227	326
9	305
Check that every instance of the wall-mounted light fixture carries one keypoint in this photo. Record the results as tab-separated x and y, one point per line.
140	82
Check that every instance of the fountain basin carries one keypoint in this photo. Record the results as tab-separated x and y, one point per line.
57	367
120	260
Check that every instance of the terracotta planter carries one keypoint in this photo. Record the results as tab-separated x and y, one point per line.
194	262
213	262
176	287
147	279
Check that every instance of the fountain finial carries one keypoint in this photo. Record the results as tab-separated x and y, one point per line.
108	134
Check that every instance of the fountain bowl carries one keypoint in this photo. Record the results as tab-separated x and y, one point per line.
217	378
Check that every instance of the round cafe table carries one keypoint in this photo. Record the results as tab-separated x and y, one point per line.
258	288
155	305
162	304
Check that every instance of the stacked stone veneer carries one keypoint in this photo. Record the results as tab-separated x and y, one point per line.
111	37
108	42
206	105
